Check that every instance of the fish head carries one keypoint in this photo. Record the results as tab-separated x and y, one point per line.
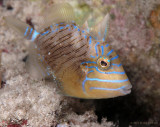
105	76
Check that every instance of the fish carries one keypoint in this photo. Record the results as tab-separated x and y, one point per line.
78	58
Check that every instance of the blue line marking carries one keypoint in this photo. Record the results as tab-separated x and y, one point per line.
100	80
114	58
98	88
90	40
26	31
118	65
83	31
45	33
57	24
85	36
30	33
67	25
78	29
110	52
35	34
48	73
103	80
92	56
89	62
102	50
57	29
61	27
107	45
83	83
96	48
75	27
113	72
52	28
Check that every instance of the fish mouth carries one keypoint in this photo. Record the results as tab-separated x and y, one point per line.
126	89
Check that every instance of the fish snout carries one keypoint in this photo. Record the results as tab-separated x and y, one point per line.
126	89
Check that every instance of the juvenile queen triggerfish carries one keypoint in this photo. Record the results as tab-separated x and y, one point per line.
80	61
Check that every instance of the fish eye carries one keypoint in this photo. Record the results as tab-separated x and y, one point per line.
103	63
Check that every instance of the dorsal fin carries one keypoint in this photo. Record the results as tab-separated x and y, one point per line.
62	12
100	30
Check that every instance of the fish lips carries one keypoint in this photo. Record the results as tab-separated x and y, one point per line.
126	89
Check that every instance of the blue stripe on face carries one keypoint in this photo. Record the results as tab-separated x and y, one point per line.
35	34
96	48
89	62
114	72
26	31
98	88
83	83
110	52
92	56
107	45
99	80
114	58
102	50
118	65
103	80
90	40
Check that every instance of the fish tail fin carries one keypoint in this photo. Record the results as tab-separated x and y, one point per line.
34	64
62	12
22	28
